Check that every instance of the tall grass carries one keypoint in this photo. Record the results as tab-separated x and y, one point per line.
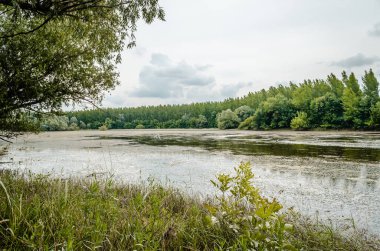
42	213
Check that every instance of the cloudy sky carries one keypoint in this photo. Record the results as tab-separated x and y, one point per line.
214	49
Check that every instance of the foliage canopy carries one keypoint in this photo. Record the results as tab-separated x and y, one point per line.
62	52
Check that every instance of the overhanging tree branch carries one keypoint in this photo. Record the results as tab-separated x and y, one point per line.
56	52
29	31
54	9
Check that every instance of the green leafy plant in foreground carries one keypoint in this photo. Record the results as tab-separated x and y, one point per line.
38	212
252	221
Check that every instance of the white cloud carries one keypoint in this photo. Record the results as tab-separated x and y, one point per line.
375	31
160	59
163	78
357	60
232	89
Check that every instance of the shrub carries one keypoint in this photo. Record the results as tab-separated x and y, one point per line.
82	125
243	112
140	126
248	220
247	124
73	127
103	128
201	122
227	119
55	123
300	122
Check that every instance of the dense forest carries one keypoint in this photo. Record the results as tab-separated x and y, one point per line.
333	103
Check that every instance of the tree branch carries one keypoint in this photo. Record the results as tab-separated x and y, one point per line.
29	31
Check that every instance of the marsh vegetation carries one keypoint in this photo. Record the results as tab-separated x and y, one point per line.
39	212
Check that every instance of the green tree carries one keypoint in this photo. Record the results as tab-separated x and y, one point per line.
278	112
227	119
351	107
351	101
73	120
375	116
371	86
36	14
336	85
243	112
302	96
82	125
201	122
327	111
370	97
351	82
54	53
55	123
108	123
248	124
300	122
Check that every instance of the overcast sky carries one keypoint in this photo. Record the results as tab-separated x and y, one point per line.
214	49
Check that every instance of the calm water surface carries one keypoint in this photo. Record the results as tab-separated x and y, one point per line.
334	176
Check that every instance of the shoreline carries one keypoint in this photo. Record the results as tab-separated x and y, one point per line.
103	204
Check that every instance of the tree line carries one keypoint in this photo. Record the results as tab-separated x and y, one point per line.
331	103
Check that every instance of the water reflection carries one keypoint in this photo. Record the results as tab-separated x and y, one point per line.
267	147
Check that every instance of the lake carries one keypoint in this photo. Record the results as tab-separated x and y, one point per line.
334	176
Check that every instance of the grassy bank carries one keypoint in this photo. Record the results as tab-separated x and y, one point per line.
38	212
